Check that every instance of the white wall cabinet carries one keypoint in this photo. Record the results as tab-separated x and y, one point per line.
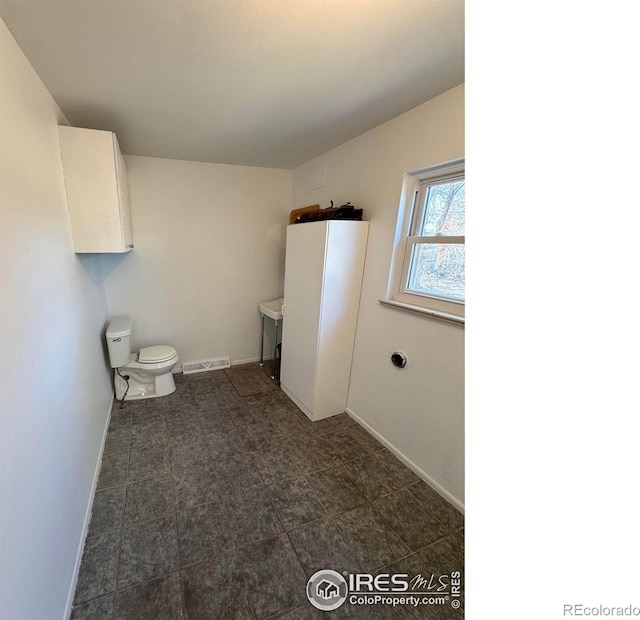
323	276
97	193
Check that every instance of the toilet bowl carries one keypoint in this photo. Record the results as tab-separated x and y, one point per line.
146	374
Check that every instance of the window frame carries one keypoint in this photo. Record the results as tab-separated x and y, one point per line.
410	216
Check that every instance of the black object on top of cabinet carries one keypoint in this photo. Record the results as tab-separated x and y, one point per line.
344	212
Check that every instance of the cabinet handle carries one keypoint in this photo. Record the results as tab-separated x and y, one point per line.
283	310
131	245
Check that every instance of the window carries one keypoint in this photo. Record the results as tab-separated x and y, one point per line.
427	274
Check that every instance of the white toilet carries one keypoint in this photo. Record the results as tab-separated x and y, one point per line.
146	374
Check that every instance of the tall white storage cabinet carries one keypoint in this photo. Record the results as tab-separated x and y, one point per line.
95	177
323	277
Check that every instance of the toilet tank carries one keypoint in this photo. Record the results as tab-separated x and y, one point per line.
118	333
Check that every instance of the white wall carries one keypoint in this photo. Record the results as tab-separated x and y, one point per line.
55	385
209	247
419	409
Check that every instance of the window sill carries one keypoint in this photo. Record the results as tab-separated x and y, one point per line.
433	314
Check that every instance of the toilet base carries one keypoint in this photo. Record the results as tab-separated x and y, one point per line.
157	386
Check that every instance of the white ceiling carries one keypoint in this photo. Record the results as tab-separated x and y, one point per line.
255	82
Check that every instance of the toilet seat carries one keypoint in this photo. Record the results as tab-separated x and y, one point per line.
156	354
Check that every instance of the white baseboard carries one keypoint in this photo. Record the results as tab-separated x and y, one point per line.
87	517
436	486
251	360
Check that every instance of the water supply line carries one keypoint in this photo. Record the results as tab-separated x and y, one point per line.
126	380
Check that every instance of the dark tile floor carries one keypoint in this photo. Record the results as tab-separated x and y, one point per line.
212	505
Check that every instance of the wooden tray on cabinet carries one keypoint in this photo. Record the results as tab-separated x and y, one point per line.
296	212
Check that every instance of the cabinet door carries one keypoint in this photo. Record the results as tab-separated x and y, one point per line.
304	266
97	197
344	265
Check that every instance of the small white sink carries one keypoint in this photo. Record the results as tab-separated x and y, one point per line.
272	309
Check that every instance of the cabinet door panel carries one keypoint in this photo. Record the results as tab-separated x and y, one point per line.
344	263
96	187
304	266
